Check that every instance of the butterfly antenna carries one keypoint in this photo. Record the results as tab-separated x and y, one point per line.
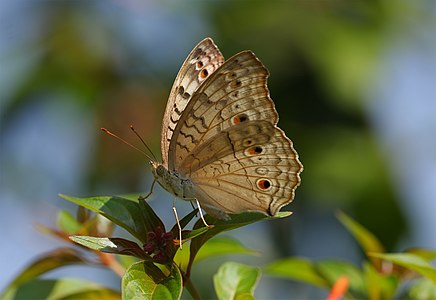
127	143
144	143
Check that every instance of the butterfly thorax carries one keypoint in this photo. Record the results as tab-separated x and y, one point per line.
173	182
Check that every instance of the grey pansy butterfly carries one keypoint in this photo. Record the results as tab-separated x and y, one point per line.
220	144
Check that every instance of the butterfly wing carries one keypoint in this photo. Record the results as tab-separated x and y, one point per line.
228	144
203	60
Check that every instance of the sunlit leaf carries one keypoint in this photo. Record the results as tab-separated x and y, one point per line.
111	245
296	268
216	246
410	261
46	262
62	289
366	239
143	280
333	270
135	218
235	281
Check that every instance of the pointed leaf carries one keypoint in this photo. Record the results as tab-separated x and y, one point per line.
332	270
366	239
412	262
62	289
123	212
111	245
296	268
235	281
143	280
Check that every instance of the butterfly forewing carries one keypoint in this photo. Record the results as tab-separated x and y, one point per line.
226	141
203	60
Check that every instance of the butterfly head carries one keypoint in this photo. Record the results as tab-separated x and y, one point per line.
157	169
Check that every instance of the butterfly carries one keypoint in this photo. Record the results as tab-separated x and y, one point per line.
220	143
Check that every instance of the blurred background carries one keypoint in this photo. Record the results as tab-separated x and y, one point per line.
354	83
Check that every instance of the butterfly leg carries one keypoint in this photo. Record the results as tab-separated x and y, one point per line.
178	223
201	214
151	191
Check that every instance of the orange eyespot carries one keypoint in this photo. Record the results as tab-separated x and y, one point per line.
240	119
204	73
255	150
199	65
264	184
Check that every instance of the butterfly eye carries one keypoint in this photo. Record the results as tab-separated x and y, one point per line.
264	184
160	170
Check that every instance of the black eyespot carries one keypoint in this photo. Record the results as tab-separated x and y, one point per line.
204	73
263	184
181	90
240	119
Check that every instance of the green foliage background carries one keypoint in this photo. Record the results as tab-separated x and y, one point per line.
88	64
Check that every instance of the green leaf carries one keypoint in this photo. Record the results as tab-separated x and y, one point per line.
423	289
235	281
410	261
143	280
111	245
68	223
216	246
219	226
47	262
62	289
296	268
136	218
366	239
379	286
331	271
